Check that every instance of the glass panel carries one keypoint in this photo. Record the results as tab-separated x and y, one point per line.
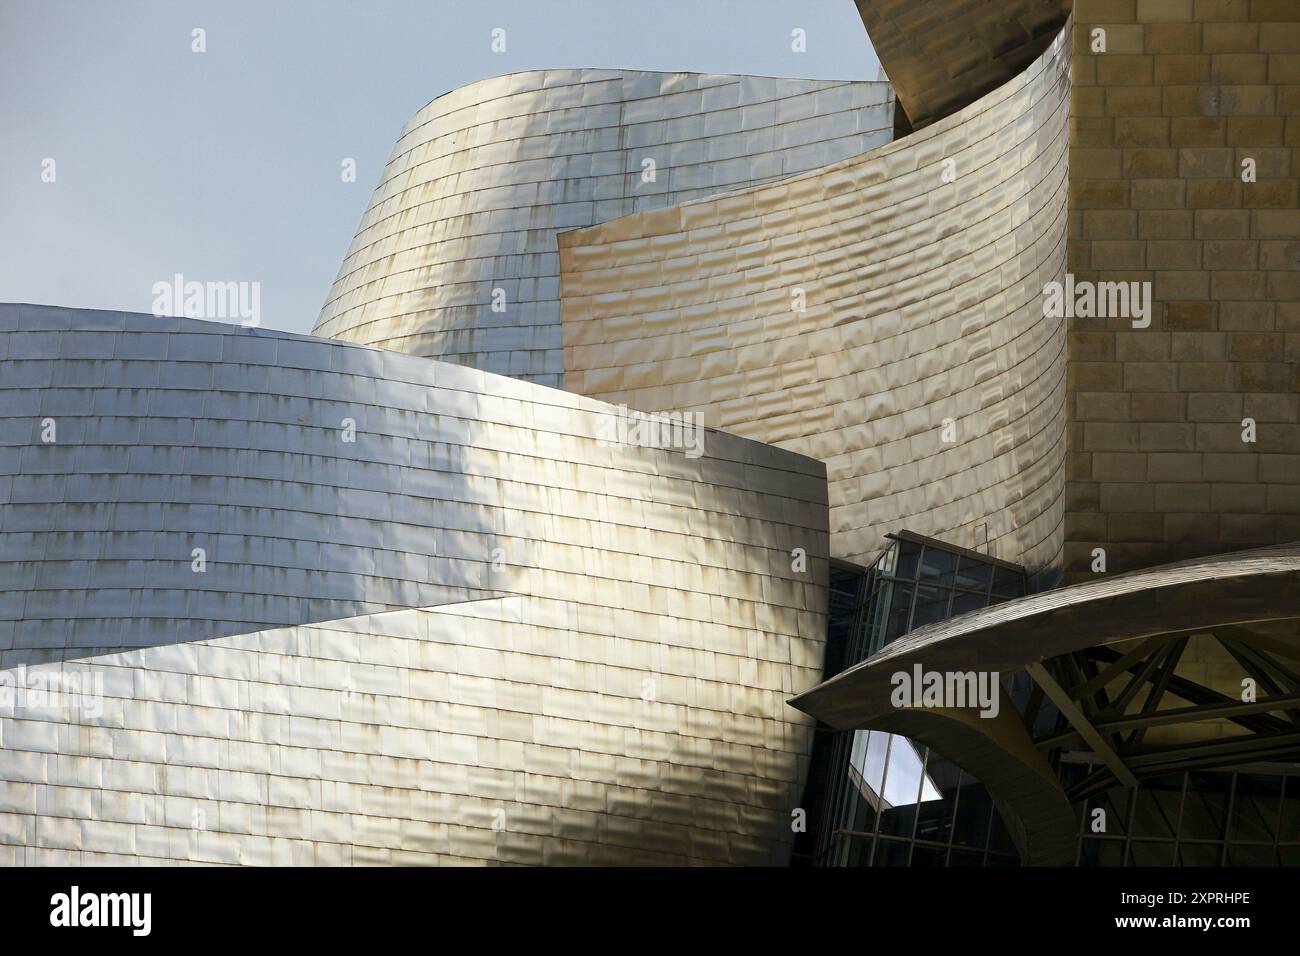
888	561
1199	854
937	567
1008	583
974	575
1255	807
999	838
973	810
1116	804
931	605
1206	805
844	619
898	613
854	850
963	602
866	774
1150	853
1156	811
923	855
1289	831
877	621
907	560
1102	853
886	785
902	786
935	815
1048	718
892	852
1243	855
843	603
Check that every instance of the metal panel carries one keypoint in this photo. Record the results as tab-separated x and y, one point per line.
628	705
483	177
853	313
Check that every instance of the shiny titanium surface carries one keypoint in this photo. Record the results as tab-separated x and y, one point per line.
618	694
883	315
483	177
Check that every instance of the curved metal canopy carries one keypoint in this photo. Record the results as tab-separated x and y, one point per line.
1110	655
1238	588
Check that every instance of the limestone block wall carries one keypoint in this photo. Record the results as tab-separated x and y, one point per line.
1162	121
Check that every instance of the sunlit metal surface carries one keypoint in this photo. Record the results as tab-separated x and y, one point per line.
483	177
943	54
628	706
504	731
883	315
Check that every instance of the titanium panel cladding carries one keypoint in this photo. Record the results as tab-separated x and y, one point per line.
456	257
883	314
426	594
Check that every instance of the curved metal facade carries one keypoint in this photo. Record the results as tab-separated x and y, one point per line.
941	55
483	177
516	730
637	685
343	605
852	313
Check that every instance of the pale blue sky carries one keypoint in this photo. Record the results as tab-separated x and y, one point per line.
224	166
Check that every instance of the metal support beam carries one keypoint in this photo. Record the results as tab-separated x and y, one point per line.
1140	677
1112	671
1074	714
1195	693
1224	748
1190	715
1254	670
1160	685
